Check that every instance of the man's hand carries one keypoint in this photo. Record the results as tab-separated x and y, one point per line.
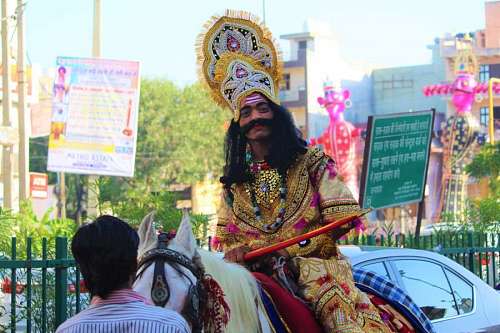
236	255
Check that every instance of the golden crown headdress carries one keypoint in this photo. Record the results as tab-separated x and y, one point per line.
237	56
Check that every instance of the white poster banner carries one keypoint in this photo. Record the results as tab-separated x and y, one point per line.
94	116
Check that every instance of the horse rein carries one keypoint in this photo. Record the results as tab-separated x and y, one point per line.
160	291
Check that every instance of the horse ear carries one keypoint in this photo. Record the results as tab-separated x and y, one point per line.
184	238
147	233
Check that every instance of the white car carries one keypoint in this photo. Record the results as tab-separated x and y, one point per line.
453	298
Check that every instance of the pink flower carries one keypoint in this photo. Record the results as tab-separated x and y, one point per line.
232	228
301	224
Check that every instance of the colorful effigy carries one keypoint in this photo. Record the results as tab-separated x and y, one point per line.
461	132
338	140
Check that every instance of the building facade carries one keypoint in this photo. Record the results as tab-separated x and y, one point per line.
315	58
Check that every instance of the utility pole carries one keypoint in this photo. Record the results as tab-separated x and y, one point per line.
21	86
264	11
61	204
96	39
7	149
92	188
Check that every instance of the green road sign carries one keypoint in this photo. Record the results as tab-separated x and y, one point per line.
396	159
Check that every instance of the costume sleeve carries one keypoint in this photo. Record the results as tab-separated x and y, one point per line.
225	239
335	200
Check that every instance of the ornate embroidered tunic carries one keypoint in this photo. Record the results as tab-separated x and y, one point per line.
315	196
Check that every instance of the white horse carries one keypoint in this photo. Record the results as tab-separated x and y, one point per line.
247	313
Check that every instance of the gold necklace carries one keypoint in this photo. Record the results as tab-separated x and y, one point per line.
266	186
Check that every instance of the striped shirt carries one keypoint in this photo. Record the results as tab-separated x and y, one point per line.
124	311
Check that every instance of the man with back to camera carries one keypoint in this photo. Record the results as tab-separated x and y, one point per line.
106	253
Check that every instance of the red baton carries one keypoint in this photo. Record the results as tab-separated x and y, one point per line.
294	240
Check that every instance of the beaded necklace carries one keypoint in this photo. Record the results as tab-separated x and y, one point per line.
256	168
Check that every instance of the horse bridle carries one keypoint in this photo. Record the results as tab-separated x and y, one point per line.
160	291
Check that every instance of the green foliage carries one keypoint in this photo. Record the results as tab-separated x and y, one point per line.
25	223
487	164
180	140
486	211
135	208
198	133
167	216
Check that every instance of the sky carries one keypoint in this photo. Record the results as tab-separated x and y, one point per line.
161	33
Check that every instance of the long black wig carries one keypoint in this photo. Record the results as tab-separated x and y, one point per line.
286	145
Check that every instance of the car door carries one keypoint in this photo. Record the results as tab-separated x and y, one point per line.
447	298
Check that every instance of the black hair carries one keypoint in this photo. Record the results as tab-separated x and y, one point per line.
106	253
286	144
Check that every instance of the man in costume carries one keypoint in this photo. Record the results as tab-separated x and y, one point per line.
274	186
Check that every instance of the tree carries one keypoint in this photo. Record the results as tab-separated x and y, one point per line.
487	164
180	137
181	134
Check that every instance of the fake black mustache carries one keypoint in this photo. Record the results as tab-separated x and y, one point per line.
259	121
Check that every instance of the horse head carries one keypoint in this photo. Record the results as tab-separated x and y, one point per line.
168	273
171	275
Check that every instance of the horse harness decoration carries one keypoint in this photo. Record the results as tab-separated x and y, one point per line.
205	307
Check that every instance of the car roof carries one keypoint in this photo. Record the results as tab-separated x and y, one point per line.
366	252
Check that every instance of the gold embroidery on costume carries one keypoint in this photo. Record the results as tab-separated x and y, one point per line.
266	186
328	285
302	214
298	197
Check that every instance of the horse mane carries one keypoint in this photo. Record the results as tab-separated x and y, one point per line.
240	288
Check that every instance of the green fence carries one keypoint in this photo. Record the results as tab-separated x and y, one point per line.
478	252
44	288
